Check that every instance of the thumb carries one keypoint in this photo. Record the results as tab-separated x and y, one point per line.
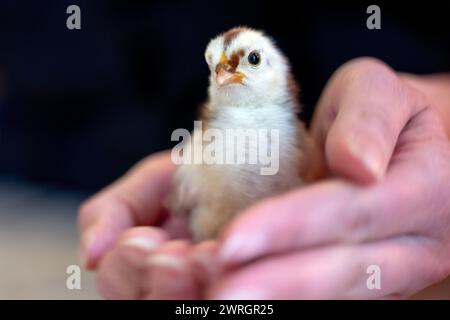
371	105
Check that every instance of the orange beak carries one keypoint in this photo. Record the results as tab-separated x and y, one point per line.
226	74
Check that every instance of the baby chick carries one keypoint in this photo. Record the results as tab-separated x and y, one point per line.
251	86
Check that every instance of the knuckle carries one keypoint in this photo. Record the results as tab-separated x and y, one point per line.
358	221
356	224
367	66
370	71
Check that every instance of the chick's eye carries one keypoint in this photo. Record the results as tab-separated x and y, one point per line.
254	58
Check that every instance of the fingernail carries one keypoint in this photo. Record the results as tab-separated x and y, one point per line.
238	249
373	165
166	261
140	243
368	156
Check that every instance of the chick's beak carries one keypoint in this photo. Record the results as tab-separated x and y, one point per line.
224	77
226	73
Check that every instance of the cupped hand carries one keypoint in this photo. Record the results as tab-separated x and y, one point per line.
136	248
373	128
385	202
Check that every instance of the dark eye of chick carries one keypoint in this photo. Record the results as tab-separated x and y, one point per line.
254	58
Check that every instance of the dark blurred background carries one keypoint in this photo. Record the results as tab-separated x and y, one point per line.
79	107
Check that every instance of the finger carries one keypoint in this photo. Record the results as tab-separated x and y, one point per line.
177	226
337	211
135	199
403	266
170	274
122	270
205	263
143	238
289	222
360	116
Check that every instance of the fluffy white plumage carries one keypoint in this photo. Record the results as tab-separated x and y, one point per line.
246	96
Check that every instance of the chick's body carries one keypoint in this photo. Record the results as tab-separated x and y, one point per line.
250	88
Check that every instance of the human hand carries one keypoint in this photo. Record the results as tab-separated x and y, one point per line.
129	239
373	128
347	227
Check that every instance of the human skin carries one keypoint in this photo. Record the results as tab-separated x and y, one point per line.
384	154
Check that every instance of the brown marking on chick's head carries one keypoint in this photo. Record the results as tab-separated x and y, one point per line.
231	34
231	64
235	58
